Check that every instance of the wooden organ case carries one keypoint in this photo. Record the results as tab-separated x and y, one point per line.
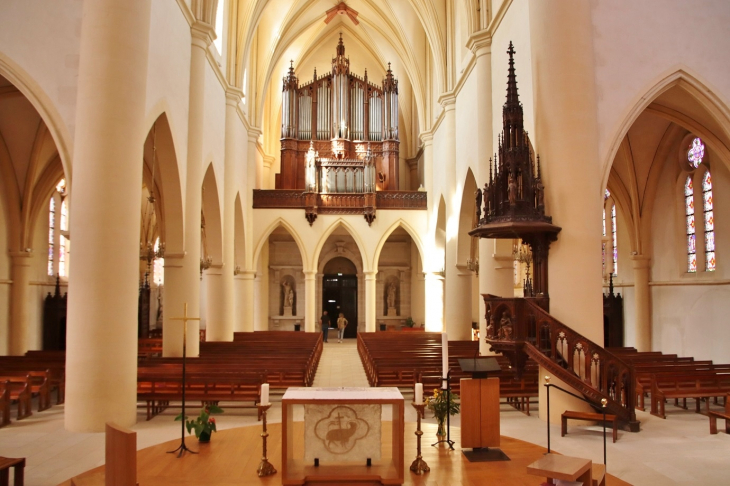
339	132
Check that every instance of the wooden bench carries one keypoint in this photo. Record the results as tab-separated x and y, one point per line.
18	466
18	390
595	417
699	385
719	415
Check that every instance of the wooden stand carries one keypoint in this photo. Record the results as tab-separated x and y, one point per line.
563	467
419	466
480	413
265	468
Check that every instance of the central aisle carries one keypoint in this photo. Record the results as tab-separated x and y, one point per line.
340	365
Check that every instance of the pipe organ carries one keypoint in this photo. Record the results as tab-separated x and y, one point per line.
339	132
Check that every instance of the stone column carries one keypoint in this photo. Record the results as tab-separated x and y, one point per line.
213	289
564	79
562	60
434	302
427	139
371	300
642	296
189	291
245	299
19	301
457	283
310	303
101	343
221	329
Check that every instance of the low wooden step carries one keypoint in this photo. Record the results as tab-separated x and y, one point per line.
596	417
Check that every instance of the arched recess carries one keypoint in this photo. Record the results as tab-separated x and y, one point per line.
160	158
213	240
467	218
341	223
414	235
279	260
716	112
274	226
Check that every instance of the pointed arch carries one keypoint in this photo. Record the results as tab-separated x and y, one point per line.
239	238
267	233
45	108
160	146
341	222
400	223
467	216
212	211
681	78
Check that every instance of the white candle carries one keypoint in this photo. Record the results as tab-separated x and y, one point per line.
419	394
444	355
265	394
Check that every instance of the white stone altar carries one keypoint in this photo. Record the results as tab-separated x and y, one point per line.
342	426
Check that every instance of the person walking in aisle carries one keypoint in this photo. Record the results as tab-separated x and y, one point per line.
341	325
325	323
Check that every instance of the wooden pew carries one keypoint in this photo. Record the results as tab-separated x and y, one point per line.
717	415
696	385
18	466
19	390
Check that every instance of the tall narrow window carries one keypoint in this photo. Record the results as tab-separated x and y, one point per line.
609	242
159	266
709	222
58	242
689	205
51	233
613	239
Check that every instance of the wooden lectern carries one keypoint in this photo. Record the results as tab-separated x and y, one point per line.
479	404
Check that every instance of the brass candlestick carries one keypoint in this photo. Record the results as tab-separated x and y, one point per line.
419	466
265	468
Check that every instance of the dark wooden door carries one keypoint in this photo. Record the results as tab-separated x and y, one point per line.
339	294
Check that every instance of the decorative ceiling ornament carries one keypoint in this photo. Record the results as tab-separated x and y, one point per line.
342	9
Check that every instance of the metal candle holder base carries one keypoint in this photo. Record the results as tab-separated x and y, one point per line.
265	468
419	466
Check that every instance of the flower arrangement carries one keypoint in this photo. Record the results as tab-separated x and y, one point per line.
438	404
410	322
203	424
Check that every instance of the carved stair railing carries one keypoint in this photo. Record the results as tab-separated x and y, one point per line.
522	328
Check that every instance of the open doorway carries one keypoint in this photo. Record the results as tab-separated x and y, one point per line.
339	293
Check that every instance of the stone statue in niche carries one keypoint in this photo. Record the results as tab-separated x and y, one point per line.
505	326
391	299
288	298
487	198
311	168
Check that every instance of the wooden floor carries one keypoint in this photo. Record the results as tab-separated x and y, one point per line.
232	456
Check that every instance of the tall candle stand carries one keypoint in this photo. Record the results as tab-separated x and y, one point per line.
265	468
419	466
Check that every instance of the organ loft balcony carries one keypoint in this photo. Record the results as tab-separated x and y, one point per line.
339	146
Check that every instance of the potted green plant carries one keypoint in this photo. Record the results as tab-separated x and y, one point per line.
410	322
203	424
439	405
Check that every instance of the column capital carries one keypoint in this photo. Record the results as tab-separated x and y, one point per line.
426	138
448	100
254	133
480	43
641	261
234	95
203	34
21	255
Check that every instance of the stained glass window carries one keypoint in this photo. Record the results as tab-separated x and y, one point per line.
51	233
696	153
689	206
613	239
709	222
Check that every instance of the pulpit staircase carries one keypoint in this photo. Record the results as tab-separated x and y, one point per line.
582	364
